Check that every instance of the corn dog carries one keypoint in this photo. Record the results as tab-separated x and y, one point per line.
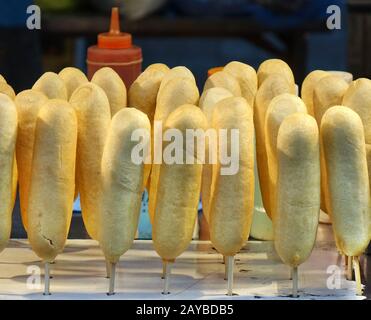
210	97
208	100
347	175
143	92
271	66
159	67
176	72
247	78
178	190
232	198
122	184
273	86
175	93
7	89
298	189
307	88
93	116
143	95
8	133
113	86
358	98
279	108
72	78
52	86
29	103
225	80
53	179
328	92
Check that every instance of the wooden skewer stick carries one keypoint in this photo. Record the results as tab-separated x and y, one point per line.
111	290
357	273
167	277
339	259
50	271
163	270
295	280
225	268
47	279
349	268
108	270
230	267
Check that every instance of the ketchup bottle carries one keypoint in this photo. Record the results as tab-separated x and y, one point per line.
115	50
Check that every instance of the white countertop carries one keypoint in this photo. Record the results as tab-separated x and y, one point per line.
79	273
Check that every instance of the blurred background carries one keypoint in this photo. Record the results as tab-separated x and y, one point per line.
199	34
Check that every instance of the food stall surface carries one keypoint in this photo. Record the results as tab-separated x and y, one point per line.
79	273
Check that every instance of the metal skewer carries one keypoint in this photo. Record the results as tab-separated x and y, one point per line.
167	265
225	268
112	278
357	273
230	267
163	270
108	269
47	279
295	280
349	269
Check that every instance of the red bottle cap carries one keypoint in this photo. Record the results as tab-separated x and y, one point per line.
211	71
114	39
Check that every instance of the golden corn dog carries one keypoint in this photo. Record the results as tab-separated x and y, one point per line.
72	78
247	78
272	66
122	184
279	108
298	189
170	74
210	97
7	89
178	190
274	85
159	67
174	73
307	88
225	80
52	86
113	86
28	103
93	116
346	76
328	92
143	91
175	93
208	100
14	181
347	177
358	98
53	179
232	198
8	134
143	95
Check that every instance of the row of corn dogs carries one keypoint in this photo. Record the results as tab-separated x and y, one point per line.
68	136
